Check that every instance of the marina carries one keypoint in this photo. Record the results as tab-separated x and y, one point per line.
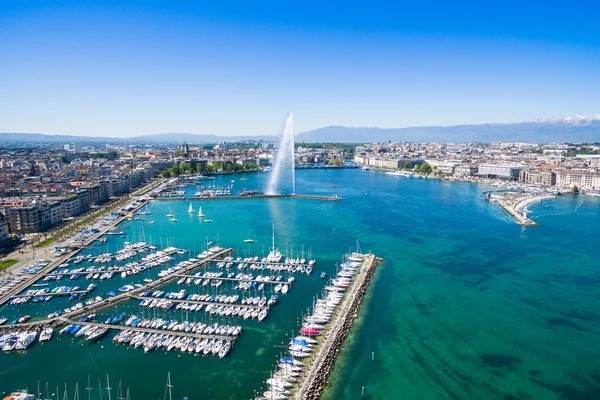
383	326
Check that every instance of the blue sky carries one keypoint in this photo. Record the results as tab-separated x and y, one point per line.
115	68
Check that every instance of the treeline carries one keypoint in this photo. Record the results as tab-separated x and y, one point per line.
192	167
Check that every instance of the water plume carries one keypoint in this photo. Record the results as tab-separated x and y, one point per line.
284	159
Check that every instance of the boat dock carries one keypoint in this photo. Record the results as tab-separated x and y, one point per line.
110	301
50	294
235	279
314	377
30	280
149	330
204	303
268	196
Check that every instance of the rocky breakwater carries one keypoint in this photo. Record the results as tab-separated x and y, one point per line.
315	378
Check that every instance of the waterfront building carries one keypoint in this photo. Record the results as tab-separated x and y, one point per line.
25	219
583	179
4	231
465	171
538	177
51	213
500	171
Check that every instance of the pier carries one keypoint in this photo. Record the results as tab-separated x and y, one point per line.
204	303
149	330
515	208
234	279
50	294
316	373
111	301
30	280
270	196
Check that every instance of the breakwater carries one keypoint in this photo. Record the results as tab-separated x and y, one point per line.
270	196
315	378
515	208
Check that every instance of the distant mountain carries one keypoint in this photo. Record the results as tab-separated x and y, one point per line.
157	138
578	120
575	129
541	132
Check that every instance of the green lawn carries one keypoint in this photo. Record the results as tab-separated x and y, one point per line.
46	242
7	263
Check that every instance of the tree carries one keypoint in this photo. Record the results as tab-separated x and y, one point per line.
424	169
575	189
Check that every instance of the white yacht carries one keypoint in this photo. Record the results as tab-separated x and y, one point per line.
25	340
46	335
191	209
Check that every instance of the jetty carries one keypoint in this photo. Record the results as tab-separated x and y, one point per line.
51	294
268	196
111	301
315	375
204	303
224	278
148	330
33	278
516	207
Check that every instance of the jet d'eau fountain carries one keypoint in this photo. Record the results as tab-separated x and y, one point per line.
284	160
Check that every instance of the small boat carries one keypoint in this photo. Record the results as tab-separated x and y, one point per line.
208	220
200	212
46	335
249	240
191	209
323	274
97	335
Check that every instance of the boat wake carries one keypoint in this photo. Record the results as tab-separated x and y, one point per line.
562	213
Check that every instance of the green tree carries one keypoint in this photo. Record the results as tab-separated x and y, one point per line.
575	189
424	168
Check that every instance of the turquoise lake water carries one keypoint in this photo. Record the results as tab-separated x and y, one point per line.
467	304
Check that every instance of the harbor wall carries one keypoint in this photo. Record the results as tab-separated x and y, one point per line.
315	379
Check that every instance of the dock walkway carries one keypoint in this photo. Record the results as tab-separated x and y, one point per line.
150	330
204	303
224	278
30	280
121	297
269	196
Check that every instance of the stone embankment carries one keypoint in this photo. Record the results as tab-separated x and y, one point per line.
315	378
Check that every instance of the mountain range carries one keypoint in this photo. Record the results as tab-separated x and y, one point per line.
576	129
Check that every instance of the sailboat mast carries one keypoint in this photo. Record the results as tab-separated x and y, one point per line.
89	390
108	386
273	238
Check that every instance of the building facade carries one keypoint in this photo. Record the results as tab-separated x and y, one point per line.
584	180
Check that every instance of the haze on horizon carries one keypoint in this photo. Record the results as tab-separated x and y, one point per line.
122	69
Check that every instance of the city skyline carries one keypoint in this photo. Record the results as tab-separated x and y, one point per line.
236	69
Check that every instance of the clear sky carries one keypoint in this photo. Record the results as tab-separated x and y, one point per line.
127	68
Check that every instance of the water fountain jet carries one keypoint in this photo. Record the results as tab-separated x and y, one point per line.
284	158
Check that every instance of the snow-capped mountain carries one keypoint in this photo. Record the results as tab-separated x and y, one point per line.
577	120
